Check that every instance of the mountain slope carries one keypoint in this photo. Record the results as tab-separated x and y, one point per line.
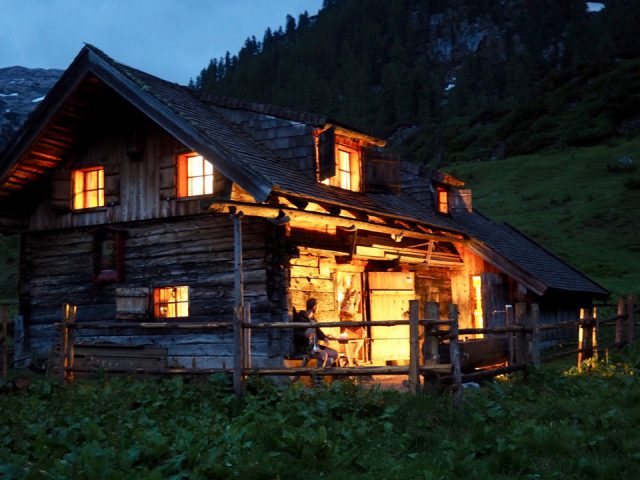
417	70
21	89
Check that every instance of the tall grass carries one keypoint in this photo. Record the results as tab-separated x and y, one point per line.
549	425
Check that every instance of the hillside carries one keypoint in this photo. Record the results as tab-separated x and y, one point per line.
21	90
583	205
450	81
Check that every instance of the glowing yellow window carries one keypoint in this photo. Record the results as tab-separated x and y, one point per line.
171	302
195	175
88	188
347	169
443	200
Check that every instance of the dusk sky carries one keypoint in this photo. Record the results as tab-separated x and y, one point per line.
172	39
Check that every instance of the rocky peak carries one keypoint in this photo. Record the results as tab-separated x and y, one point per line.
21	91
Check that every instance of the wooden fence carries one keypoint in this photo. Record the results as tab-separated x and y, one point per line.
523	336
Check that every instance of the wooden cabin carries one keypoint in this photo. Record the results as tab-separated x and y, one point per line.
135	198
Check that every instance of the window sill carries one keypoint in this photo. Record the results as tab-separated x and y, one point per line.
90	209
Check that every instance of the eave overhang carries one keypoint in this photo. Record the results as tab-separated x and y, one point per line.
89	62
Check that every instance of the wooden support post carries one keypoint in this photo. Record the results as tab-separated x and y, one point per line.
510	336
534	324
521	337
630	318
4	317
619	324
67	351
454	349
430	348
247	336
595	326
238	311
581	342
414	346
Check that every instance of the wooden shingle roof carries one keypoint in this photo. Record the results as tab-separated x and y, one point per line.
526	255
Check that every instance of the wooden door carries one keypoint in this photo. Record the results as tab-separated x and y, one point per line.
389	296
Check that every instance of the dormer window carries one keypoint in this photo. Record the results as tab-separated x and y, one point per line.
443	200
347	169
195	175
88	188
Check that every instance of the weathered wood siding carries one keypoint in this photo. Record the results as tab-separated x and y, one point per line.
192	251
139	186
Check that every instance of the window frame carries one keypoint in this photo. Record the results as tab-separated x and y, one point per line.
82	193
442	200
355	169
183	184
159	302
106	275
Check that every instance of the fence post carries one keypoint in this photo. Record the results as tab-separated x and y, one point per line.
238	311
67	354
430	348
238	355
534	324
619	323
454	350
247	336
521	336
595	326
630	318
414	346
508	320
581	339
4	314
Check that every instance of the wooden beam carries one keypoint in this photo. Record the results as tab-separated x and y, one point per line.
269	211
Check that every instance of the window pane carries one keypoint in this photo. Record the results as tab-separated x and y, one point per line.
196	186
195	166
208	167
208	184
91	199
91	180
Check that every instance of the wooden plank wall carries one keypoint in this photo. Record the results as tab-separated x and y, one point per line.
137	187
194	251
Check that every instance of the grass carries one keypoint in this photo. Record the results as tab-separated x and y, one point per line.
550	425
573	203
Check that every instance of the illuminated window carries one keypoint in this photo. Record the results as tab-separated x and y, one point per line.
171	302
88	188
347	169
443	200
195	175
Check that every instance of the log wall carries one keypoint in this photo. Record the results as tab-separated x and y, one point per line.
193	251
